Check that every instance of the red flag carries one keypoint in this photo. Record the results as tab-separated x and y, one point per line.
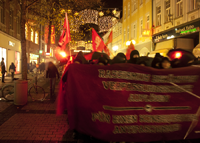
129	50
110	38
107	51
98	44
65	37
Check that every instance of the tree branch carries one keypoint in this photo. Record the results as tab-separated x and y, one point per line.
31	4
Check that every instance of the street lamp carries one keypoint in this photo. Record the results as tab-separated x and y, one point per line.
115	48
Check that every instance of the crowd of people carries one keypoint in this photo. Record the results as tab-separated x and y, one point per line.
158	62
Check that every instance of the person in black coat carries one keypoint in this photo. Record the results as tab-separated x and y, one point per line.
51	74
3	70
134	57
12	69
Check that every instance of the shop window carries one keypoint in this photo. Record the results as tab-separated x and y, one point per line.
124	12
17	61
36	38
128	33
193	5
18	25
147	24
179	8
167	10
45	48
2	12
11	19
129	9
32	35
134	31
141	26
158	13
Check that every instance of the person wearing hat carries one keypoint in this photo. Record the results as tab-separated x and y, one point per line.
3	70
134	57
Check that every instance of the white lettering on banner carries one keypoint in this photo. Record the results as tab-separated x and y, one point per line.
185	28
11	44
161	37
97	41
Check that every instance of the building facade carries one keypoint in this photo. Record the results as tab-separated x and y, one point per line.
10	44
116	45
137	25
176	25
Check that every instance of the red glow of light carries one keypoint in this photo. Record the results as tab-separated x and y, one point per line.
178	55
63	54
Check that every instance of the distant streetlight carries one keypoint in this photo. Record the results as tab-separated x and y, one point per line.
115	48
129	42
76	13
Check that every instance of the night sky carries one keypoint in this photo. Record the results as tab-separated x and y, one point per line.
113	4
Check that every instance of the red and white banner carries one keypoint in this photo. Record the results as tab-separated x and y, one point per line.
65	36
132	103
98	44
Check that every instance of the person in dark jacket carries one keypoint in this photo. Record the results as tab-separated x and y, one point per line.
51	74
165	63
123	56
134	57
3	70
156	61
12	69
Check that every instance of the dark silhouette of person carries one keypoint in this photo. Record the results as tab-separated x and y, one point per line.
12	69
3	70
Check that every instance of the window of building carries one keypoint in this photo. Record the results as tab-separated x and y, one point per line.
135	5
32	35
141	2
36	38
168	10
158	13
134	31
2	12
147	24
141	26
128	33
193	5
18	25
11	19
124	35
129	9
124	12
179	8
26	31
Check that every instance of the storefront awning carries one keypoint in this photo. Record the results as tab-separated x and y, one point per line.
163	48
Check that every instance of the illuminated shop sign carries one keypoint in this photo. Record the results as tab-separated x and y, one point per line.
177	32
11	44
145	33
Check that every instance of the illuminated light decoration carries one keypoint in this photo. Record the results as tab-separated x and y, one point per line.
62	11
189	31
178	55
47	54
76	13
115	48
41	51
36	38
114	11
133	41
145	33
31	34
46	34
101	13
92	16
170	37
128	43
52	34
63	54
69	10
84	51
